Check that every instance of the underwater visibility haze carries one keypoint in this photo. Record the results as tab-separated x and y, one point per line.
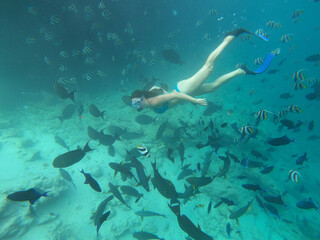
127	119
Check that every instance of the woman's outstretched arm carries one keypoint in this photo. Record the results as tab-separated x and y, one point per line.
159	100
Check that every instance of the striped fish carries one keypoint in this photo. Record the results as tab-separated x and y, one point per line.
294	175
286	38
294	108
299	76
262	115
258	61
246	130
299	85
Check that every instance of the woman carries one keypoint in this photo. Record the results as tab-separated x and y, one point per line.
159	100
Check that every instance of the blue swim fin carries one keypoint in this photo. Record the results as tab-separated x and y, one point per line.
266	63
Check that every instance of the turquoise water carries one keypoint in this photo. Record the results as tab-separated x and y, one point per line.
105	50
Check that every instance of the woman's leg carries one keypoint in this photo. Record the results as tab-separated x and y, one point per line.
189	85
211	87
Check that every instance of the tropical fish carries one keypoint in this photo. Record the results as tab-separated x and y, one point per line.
161	130
294	175
271	209
286	38
253	187
300	160
92	133
273	199
61	142
294	108
181	152
187	226
143	119
144	213
284	140
143	179
185	172
288	123
226	166
198	205
297	13
240	212
197	182
145	236
124	169
246	130
143	151
229	229
66	176
169	155
262	114
313	58
67	112
258	61
165	187
311	125
132	192
69	158
31	195
95	111
115	192
33	11
91	181
286	95
171	56
54	20
267	170
62	92
308	204
96	216
273	24
282	113
299	76
299	85
103	218
107	139
209	206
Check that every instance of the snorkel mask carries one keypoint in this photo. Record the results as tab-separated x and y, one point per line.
137	104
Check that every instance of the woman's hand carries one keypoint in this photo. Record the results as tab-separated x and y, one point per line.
201	101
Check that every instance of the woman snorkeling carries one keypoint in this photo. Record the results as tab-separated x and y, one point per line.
159	100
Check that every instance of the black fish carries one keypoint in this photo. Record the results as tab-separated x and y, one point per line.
143	180
273	199
114	190
206	164
234	157
226	166
311	125
253	187
111	151
284	140
240	212
91	181
171	56
281	62
107	139
69	158
272	71
122	168
66	176
229	229
132	192
227	201
95	111
187	226
288	123
197	182
99	212
92	133
209	206
103	218
272	209
223	125
161	130
31	195
165	187
144	119
61	142
169	155
211	108
267	170
286	95
144	213
145	236
300	160
62	92
181	152
309	204
67	112
313	58
184	173
260	202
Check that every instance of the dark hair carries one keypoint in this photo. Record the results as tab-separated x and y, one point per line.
146	94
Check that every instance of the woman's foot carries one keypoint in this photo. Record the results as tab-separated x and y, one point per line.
237	32
245	69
